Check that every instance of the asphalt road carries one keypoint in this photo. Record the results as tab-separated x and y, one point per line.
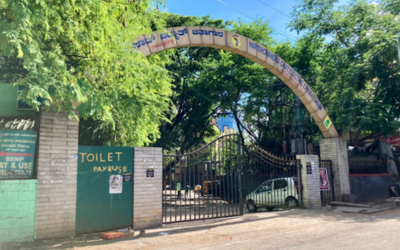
284	229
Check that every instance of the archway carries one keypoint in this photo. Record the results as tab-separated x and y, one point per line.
197	36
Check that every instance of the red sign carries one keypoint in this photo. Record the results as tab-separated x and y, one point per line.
2	154
323	179
391	140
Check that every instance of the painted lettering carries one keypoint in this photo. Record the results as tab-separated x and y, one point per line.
162	44
110	169
99	157
118	155
207	33
83	156
25	165
91	156
141	43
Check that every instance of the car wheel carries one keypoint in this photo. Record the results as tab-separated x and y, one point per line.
251	206
291	202
270	208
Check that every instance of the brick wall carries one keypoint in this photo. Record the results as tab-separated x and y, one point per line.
17	210
147	192
311	189
56	175
335	149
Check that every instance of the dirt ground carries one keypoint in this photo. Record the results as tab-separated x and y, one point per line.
325	228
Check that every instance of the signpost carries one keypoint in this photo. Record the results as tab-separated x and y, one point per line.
17	153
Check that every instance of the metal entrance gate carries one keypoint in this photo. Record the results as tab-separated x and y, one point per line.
271	181
204	184
326	182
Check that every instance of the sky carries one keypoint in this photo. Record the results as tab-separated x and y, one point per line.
276	12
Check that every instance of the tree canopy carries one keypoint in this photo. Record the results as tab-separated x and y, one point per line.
358	80
209	82
76	50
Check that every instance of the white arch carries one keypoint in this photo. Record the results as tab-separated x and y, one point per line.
197	36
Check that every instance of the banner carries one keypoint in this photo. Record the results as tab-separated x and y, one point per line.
17	153
391	140
323	179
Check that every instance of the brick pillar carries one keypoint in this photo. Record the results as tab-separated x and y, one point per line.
56	175
335	149
311	190
147	191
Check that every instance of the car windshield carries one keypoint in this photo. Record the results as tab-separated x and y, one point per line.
265	187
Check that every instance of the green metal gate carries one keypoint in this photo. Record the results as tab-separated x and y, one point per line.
104	189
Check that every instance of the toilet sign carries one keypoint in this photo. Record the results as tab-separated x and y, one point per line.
17	153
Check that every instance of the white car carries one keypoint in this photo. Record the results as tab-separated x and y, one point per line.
274	193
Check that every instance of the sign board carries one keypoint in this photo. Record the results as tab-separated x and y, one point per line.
150	172
323	179
327	122
115	184
391	140
104	195
17	153
308	167
127	177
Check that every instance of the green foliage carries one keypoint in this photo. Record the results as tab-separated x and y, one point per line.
208	83
357	78
60	49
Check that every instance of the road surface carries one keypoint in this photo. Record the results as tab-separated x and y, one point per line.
284	229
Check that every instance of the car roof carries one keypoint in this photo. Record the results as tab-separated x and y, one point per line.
281	178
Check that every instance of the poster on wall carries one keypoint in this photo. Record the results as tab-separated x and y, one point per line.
115	184
127	177
17	153
323	179
308	168
150	172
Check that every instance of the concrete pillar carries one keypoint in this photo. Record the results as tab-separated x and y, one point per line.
56	175
310	181
335	149
147	191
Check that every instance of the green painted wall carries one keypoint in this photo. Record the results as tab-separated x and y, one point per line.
17	210
98	208
8	101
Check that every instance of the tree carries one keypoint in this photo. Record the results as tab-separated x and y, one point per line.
75	50
359	81
193	104
209	82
